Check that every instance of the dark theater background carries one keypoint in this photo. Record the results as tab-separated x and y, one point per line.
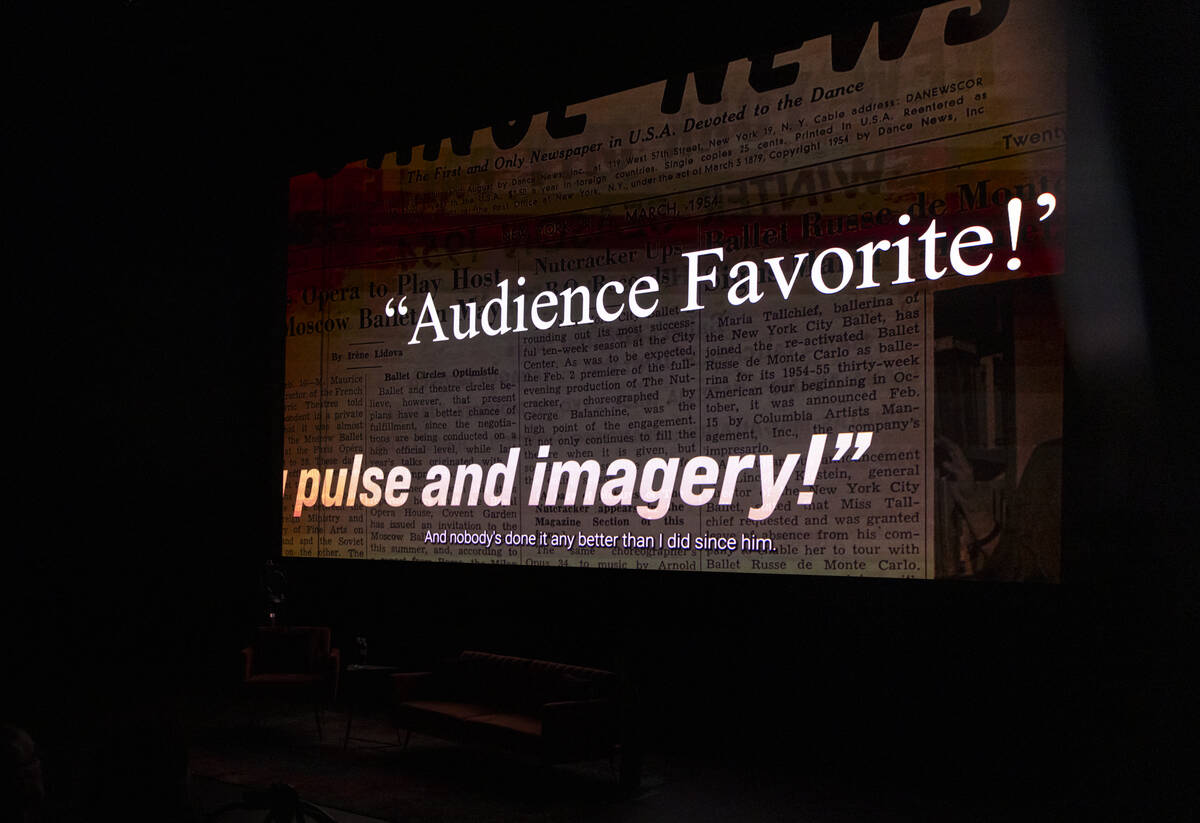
150	147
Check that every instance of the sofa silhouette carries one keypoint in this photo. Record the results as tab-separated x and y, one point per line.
552	711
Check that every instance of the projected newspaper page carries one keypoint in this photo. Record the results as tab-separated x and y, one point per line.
795	317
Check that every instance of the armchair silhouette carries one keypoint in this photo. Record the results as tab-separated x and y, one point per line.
293	662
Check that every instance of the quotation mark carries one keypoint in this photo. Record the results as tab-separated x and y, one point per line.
861	442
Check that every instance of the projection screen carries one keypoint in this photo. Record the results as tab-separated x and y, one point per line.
792	315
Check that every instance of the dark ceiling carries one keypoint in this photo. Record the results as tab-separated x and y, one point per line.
339	81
